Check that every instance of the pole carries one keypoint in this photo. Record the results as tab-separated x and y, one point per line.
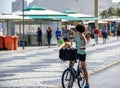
23	25
96	11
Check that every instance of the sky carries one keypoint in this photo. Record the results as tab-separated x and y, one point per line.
116	0
5	5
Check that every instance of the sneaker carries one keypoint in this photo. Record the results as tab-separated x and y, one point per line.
87	86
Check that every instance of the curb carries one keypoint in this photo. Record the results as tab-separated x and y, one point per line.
103	68
95	71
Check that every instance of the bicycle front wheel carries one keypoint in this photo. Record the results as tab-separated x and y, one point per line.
67	79
81	80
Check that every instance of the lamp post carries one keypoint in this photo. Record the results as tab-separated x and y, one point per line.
23	25
96	11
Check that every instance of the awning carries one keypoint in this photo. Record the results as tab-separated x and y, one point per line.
90	18
80	15
54	17
34	8
12	17
112	18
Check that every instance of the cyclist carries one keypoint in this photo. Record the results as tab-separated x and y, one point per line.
80	44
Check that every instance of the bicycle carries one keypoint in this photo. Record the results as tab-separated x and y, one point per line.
70	74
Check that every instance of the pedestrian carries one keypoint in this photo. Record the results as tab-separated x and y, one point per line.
92	33
49	35
113	27
88	34
96	34
65	34
81	53
39	36
108	28
71	36
104	34
118	32
58	34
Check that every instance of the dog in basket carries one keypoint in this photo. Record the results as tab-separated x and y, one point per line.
68	45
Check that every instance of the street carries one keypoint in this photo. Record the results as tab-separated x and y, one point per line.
108	78
40	67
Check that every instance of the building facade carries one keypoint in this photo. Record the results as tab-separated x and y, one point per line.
18	5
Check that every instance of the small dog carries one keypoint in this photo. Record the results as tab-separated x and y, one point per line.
66	45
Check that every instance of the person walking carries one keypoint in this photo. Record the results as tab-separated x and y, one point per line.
108	28
88	34
49	35
96	34
71	36
39	36
65	34
118	32
81	53
104	33
58	35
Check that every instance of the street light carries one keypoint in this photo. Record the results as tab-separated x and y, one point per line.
23	25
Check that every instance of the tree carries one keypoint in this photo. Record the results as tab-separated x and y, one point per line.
110	12
118	12
104	14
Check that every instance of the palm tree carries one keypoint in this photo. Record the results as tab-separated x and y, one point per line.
118	12
104	14
111	11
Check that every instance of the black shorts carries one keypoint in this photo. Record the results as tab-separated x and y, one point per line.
81	57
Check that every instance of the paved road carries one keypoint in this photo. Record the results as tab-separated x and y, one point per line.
109	78
40	67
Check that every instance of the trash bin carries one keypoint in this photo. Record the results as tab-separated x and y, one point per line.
15	42
9	42
1	42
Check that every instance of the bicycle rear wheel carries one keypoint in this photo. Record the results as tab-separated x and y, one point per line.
67	79
81	80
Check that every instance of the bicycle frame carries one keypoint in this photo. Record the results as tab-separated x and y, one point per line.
73	71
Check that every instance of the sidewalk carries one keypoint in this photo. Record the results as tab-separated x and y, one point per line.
40	67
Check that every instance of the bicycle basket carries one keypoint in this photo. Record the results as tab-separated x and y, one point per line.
68	54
